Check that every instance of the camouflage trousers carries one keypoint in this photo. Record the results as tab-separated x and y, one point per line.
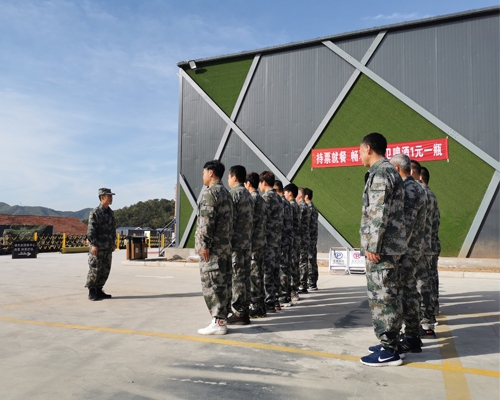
304	266
271	255
214	284
313	264
294	268
434	278
99	268
382	281
424	286
409	296
241	260
284	274
257	278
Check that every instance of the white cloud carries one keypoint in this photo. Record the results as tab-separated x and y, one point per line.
394	16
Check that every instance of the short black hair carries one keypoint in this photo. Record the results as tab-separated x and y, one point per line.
377	143
216	167
239	171
253	179
424	175
278	185
309	193
415	165
292	188
268	177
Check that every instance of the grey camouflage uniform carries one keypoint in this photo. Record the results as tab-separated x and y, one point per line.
295	276
383	232
258	244
305	220
101	233
241	249
214	231
274	226
286	246
415	207
313	245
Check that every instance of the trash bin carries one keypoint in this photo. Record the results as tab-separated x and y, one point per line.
137	247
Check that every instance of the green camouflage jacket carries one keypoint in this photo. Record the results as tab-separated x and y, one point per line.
101	230
274	220
415	214
259	221
242	218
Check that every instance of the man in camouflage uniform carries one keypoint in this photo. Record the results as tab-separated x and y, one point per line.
415	208
241	244
383	242
101	235
291	191
434	254
214	231
424	282
313	242
257	304
284	273
274	226
305	221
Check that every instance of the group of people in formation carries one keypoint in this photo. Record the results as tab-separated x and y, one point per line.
399	238
257	244
258	252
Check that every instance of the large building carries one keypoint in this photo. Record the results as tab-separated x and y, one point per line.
289	108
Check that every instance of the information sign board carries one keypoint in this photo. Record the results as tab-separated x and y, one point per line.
24	249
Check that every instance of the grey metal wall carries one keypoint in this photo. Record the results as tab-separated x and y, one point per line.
486	244
290	93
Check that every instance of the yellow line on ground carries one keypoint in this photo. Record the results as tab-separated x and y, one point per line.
455	382
211	339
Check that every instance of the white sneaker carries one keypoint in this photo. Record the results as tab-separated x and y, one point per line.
216	327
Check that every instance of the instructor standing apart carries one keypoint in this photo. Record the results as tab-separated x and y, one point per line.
101	234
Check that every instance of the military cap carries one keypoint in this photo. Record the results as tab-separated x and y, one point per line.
104	191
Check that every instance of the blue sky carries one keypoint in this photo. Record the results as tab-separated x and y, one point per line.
89	92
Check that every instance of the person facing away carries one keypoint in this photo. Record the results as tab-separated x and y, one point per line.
214	230
101	235
313	241
383	242
241	244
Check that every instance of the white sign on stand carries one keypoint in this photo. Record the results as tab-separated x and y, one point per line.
338	260
356	262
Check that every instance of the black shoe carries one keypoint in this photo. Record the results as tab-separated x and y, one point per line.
235	319
93	296
313	287
270	309
410	345
427	333
102	295
303	290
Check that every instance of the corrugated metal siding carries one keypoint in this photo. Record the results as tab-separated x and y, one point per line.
202	130
486	245
287	99
356	47
238	153
452	70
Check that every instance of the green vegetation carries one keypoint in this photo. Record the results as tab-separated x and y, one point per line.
223	80
337	191
185	213
151	213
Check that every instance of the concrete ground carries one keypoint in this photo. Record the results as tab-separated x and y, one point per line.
143	343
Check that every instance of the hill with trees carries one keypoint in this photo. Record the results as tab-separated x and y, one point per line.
42	211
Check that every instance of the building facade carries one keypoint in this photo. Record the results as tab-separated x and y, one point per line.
430	79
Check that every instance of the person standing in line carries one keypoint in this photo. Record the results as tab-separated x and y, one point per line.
415	209
241	244
313	241
274	226
305	220
101	235
424	282
214	231
435	250
383	242
291	191
284	276
257	304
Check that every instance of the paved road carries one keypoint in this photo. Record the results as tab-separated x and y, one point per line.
143	343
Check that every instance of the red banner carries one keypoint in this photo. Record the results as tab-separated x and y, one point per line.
422	150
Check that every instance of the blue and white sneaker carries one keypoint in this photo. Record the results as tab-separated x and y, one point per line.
378	348
382	359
